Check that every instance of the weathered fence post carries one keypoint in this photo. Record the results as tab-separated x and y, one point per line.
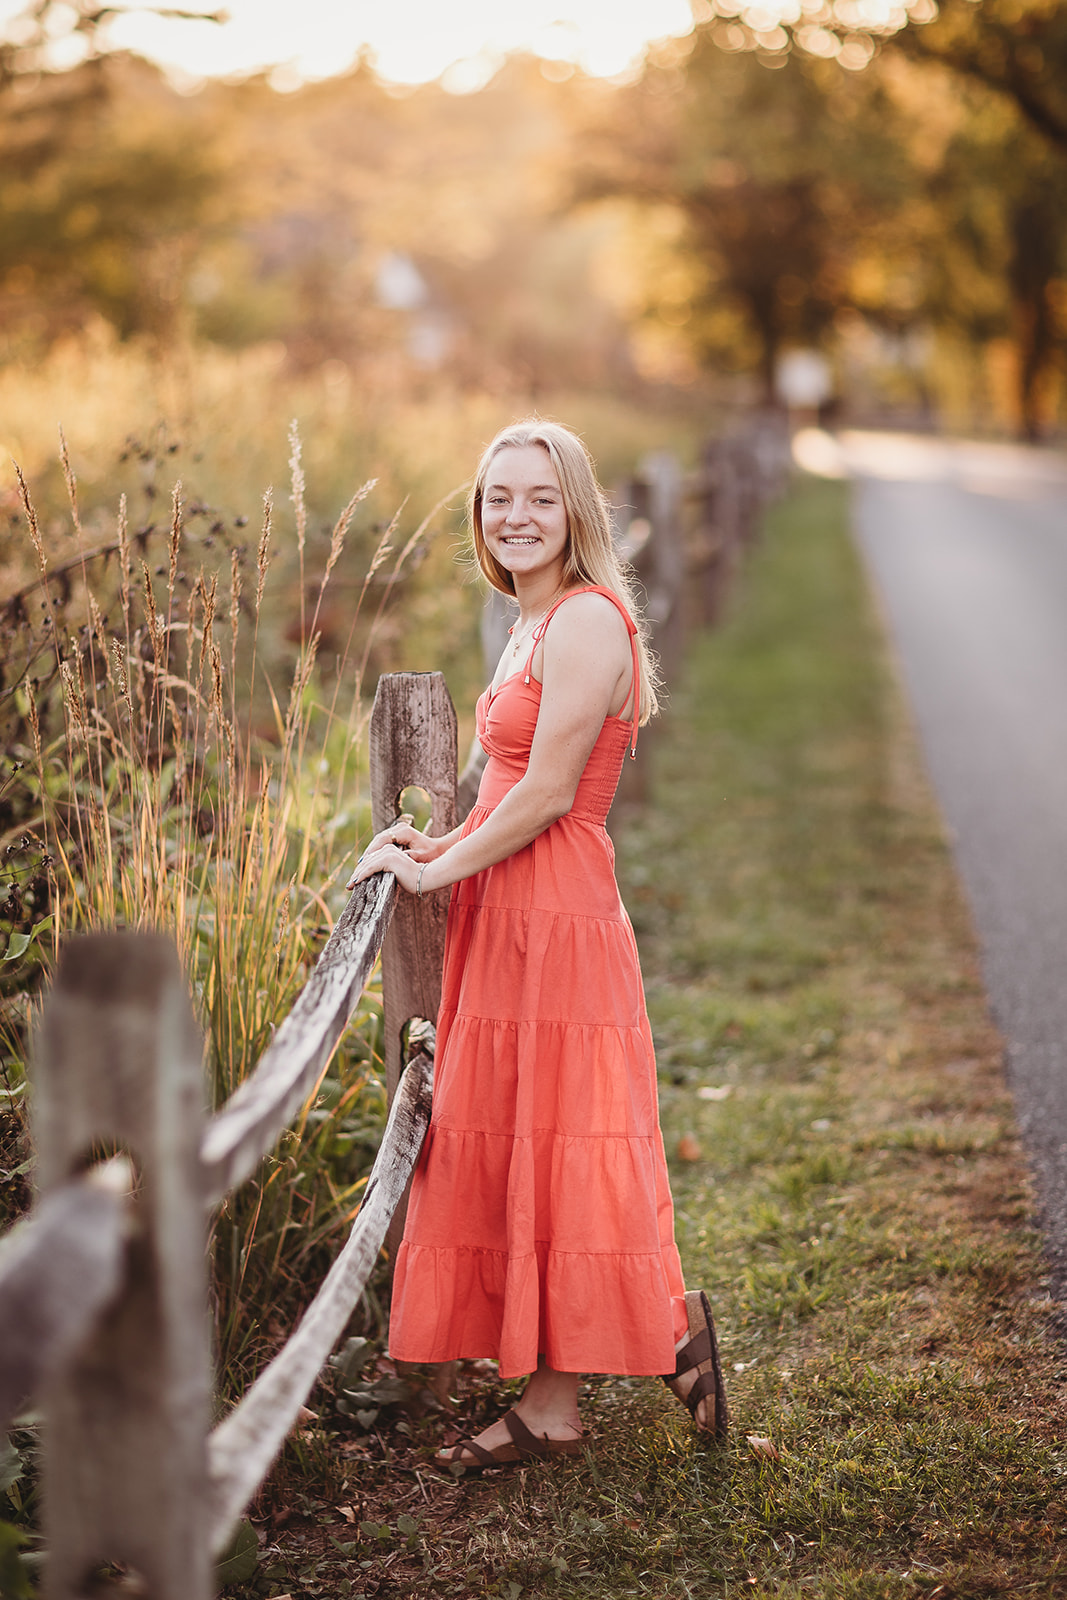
119	1063
718	531
412	742
660	562
649	538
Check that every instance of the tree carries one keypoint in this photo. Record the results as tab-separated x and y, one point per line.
1017	48
94	207
782	178
996	259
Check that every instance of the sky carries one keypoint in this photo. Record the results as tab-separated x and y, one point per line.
412	41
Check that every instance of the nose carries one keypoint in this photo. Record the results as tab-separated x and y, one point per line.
517	515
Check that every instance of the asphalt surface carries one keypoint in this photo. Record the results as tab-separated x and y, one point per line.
967	546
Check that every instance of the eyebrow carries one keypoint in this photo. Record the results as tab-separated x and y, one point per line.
537	488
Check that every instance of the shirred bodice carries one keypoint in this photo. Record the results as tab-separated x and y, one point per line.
506	720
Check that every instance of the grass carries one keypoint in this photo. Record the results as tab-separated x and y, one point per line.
142	791
849	1188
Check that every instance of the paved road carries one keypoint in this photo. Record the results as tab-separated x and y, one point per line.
968	547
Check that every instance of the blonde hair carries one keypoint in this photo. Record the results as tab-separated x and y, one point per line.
591	557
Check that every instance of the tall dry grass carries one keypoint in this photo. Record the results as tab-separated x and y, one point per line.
146	789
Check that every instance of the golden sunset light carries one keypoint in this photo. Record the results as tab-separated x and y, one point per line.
410	41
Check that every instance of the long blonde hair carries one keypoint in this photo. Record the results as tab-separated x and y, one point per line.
591	557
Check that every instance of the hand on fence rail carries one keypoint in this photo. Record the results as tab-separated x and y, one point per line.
394	845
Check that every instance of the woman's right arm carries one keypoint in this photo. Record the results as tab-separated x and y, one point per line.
423	847
585	668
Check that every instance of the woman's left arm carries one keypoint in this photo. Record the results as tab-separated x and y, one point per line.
586	664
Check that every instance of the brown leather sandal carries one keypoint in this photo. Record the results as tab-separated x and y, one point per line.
701	1352
524	1446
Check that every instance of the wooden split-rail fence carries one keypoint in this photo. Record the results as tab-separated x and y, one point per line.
103	1288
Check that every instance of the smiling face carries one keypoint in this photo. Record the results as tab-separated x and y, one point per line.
524	519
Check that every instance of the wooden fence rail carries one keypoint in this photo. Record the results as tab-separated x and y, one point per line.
103	1289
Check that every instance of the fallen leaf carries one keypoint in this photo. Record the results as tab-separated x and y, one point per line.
688	1148
709	1091
347	1512
762	1446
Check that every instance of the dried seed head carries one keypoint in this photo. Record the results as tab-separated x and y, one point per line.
262	558
31	712
121	675
384	546
175	534
296	474
124	557
207	643
150	610
216	682
74	698
235	589
31	518
96	619
283	920
301	677
340	528
100	634
70	480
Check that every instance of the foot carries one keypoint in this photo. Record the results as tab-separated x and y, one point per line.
697	1379
704	1415
514	1438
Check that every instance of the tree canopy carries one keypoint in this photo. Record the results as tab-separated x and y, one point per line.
794	170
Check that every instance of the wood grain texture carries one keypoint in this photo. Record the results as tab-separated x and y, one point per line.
412	741
58	1269
244	1445
118	1062
260	1110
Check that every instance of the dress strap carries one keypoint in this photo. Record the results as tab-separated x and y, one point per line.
635	683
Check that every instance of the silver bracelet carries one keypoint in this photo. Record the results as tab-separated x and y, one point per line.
418	880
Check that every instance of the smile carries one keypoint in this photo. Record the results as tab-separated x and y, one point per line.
519	538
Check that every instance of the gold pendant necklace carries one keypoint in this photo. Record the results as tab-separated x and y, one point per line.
531	627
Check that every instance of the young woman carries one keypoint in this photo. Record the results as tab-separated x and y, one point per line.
540	1230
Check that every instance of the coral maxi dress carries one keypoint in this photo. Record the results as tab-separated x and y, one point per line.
541	1219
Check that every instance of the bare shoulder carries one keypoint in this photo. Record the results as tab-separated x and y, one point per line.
584	658
586	613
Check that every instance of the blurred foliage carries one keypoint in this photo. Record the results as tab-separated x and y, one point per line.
1017	48
99	202
795	203
782	180
868	179
1000	269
